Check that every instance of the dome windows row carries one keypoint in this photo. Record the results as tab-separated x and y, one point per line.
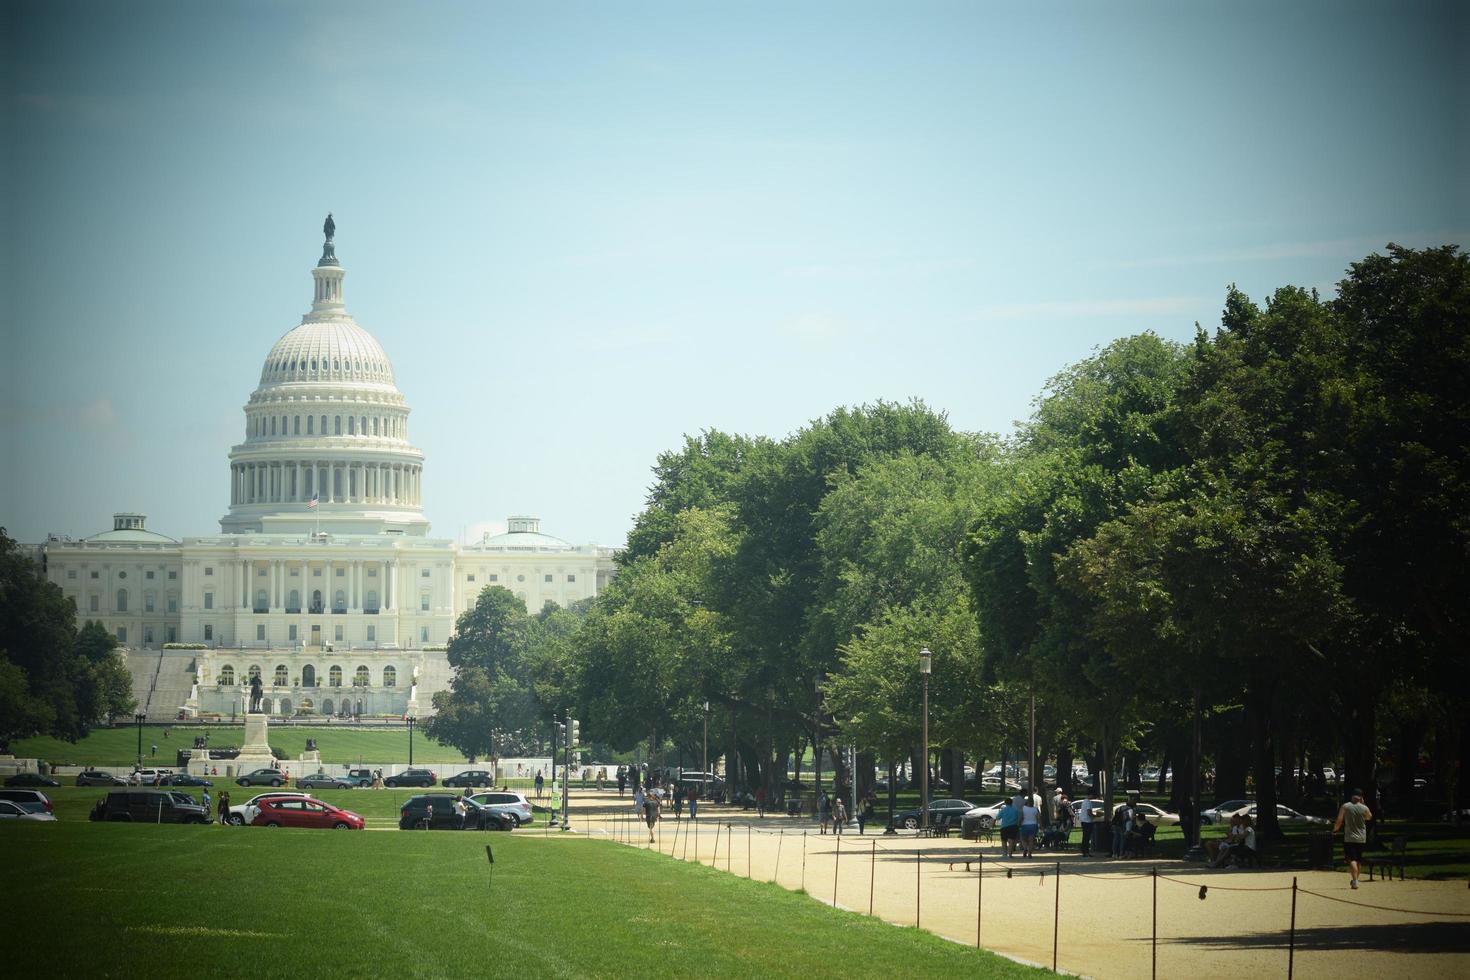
286	367
262	426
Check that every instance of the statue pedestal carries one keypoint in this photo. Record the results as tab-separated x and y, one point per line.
256	752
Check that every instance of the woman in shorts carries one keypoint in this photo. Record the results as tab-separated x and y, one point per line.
1030	824
1009	819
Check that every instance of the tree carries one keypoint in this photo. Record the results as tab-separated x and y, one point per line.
491	696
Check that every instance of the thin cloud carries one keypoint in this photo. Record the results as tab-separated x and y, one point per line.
1349	248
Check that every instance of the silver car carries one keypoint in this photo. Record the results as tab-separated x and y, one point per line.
14	811
513	805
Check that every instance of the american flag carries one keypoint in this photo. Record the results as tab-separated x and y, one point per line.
311	504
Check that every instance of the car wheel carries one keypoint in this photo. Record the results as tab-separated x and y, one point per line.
341	825
910	823
237	820
272	823
241	782
391	783
987	823
275	782
515	821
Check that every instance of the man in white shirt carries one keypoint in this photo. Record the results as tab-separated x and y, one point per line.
1084	817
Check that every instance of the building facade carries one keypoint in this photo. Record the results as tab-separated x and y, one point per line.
324	579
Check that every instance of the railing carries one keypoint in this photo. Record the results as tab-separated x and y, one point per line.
294	611
259	611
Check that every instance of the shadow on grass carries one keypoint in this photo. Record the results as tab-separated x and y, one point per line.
1417	937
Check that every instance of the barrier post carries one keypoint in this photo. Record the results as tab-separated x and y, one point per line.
776	872
836	863
729	846
747	852
1154	969
918	886
803	860
1056	918
979	894
1291	943
872	875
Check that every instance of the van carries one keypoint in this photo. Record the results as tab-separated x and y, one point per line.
148	806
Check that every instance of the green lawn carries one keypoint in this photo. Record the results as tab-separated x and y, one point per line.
120	899
338	744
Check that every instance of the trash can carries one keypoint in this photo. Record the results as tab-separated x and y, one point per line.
1319	851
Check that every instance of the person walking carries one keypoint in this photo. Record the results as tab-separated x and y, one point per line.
1009	819
206	801
823	807
650	813
839	817
865	811
1030	824
760	802
693	801
540	784
622	780
1352	819
224	809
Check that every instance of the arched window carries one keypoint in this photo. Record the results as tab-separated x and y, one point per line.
260	600
359	707
281	676
308	676
362	677
339	602
337	426
227	676
285	707
334	677
351	426
362	425
390	676
294	603
316	601
327	706
265	705
296	425
375	425
253	673
122	600
309	426
273	425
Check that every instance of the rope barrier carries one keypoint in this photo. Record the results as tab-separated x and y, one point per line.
1223	888
1383	908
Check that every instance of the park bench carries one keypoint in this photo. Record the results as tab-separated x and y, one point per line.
1387	862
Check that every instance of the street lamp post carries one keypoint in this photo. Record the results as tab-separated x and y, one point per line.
704	772
410	719
139	719
926	664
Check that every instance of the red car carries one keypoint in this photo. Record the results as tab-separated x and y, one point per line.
303	812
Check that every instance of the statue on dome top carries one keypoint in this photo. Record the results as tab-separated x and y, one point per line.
329	227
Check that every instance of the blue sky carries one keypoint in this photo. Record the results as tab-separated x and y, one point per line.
583	230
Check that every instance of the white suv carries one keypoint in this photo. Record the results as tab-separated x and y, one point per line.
243	815
513	805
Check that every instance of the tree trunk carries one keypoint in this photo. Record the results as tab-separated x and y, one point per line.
1065	760
1263	755
1232	742
1360	760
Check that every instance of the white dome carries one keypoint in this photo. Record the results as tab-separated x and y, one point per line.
335	350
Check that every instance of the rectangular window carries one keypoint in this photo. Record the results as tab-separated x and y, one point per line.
148	575
148	634
295	573
260	573
341	572
337	634
148	602
571	578
494	577
173	604
71	573
548	578
372	573
470	577
208	632
122	634
316	573
92	603
260	632
209	600
291	632
94	574
372	634
208	570
424	573
424	634
173	575
424	602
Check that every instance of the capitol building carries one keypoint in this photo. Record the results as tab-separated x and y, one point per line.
324	580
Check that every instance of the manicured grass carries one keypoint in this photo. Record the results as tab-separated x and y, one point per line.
338	744
120	899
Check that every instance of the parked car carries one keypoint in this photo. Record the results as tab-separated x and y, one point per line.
30	779
243	813
358	778
148	777
707	783
992	783
1220	812
322	780
413	777
1154	815
514	805
262	777
471	778
10	810
94	777
32	800
438	810
284	811
1284	814
909	819
184	779
982	817
148	806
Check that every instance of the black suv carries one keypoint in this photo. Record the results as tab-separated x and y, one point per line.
148	806
415	814
471	777
413	777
